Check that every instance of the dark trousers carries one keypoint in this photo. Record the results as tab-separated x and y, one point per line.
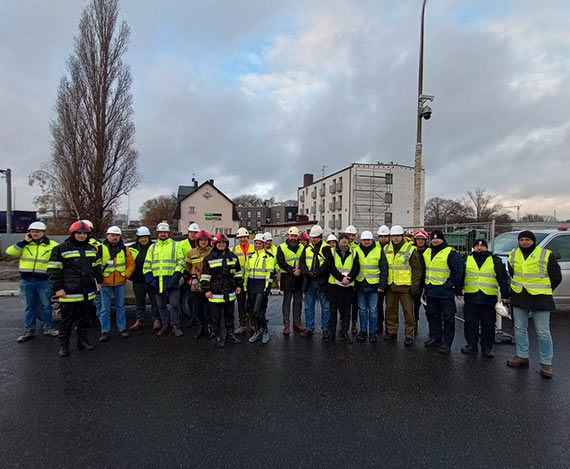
201	306
440	314
141	291
417	306
70	312
297	297
186	303
225	310
257	302
479	315
353	312
242	308
381	320
342	309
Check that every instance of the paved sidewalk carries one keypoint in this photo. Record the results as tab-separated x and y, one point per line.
9	288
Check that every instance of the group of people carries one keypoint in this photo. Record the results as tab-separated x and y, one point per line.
363	284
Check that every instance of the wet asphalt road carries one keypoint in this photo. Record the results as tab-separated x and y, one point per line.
170	402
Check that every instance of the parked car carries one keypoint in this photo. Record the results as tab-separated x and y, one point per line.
558	241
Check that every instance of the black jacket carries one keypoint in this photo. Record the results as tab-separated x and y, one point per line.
451	287
538	302
319	269
336	292
137	275
76	275
289	282
220	279
481	298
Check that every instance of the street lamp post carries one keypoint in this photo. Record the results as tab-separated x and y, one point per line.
8	174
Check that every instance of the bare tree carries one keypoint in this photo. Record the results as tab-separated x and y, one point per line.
161	208
440	211
245	200
484	206
93	159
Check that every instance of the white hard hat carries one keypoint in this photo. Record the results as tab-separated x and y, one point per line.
259	237
143	231
316	231
89	223
242	232
293	230
396	230
37	225
267	236
163	226
332	237
502	310
366	235
383	231
193	227
114	230
350	229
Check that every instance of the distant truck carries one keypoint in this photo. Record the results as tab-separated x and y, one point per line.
21	219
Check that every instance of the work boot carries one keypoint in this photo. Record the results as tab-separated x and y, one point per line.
255	336
354	328
202	331
416	330
379	329
64	350
345	338
517	362
444	348
27	335
469	350
177	331
408	341
326	336
163	331
83	344
372	337
240	330
265	336
299	328
51	332
432	343
388	336
361	337
231	337
156	325
307	333
124	334
546	371
220	343
136	326
211	335
487	352
286	330
104	337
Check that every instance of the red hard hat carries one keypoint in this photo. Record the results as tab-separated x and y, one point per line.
304	235
79	226
203	235
220	238
421	234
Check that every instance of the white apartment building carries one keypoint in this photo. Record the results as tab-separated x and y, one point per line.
365	195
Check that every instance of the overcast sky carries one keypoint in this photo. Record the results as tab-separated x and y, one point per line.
255	93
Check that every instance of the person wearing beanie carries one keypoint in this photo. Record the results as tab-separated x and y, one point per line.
443	279
484	276
535	274
421	243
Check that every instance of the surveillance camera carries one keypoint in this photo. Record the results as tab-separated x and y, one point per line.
426	112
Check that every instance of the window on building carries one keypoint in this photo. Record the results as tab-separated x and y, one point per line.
249	214
191	210
240	214
258	214
340	220
277	215
248	223
389	178
387	217
258	223
388	197
289	215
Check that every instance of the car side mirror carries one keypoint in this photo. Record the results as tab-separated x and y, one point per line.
556	255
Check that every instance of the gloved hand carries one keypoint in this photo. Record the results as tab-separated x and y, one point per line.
154	285
267	291
173	281
148	278
415	293
187	276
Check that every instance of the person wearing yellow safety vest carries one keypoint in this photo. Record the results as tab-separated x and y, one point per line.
243	250
270	247
162	269
443	271
34	252
117	264
370	281
332	241
383	240
75	275
484	277
259	272
315	269
535	274
421	243
291	284
343	268
187	306
404	276
355	312
96	243
222	281
140	288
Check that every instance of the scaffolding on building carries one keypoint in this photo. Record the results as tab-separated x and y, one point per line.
370	206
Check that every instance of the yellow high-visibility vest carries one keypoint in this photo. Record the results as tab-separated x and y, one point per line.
530	273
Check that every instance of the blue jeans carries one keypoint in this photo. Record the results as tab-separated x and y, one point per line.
368	311
37	293
107	294
313	292
542	329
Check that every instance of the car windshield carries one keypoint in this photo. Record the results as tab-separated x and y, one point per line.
505	242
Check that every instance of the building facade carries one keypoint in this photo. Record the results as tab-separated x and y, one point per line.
259	217
365	195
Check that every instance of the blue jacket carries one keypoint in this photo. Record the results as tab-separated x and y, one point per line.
452	286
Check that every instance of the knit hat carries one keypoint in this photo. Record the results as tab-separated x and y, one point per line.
527	234
481	242
343	235
437	234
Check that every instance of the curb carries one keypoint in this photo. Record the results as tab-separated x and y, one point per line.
10	293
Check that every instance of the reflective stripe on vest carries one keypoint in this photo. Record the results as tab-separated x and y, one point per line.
291	258
369	268
343	267
109	266
530	273
76	298
483	279
400	270
437	270
310	252
34	257
239	253
221	298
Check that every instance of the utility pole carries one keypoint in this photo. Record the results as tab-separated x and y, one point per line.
8	174
324	167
